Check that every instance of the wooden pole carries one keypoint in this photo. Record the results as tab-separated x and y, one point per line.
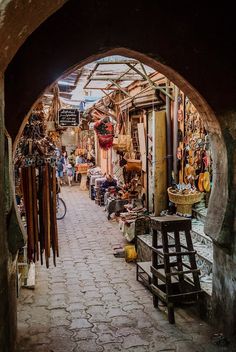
175	133
147	165
160	166
169	137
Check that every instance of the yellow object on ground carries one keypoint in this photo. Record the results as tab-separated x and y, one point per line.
130	253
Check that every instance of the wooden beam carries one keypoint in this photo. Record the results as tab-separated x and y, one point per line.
78	76
103	88
105	112
122	62
152	84
108	95
108	79
93	70
120	88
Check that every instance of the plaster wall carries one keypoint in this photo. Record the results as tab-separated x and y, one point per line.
8	227
224	288
18	19
4	306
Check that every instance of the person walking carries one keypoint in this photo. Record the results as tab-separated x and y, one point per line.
59	170
71	159
70	173
79	160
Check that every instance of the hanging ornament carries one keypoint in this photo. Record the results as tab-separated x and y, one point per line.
104	131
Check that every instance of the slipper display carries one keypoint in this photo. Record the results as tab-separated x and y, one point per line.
200	182
206	181
193	153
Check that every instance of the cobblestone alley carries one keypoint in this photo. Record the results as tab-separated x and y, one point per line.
91	300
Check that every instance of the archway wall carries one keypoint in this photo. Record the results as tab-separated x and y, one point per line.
160	35
187	39
18	19
191	40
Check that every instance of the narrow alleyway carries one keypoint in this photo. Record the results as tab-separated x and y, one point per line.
92	302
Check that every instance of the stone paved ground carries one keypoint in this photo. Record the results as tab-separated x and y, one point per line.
92	302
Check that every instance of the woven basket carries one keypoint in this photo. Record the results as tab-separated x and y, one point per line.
184	202
82	168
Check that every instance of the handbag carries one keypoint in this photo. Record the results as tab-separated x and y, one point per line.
122	142
133	165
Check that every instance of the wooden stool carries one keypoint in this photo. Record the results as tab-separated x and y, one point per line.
175	275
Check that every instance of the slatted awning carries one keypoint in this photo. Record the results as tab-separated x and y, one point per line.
85	86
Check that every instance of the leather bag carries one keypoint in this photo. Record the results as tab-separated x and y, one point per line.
122	143
133	165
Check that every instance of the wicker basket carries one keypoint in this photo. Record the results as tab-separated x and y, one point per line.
184	202
82	168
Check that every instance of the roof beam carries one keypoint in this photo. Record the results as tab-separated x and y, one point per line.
108	79
108	95
147	78
90	75
105	112
122	62
120	88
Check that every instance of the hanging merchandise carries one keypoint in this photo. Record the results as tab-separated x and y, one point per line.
133	165
35	171
28	186
193	149
200	182
206	181
47	215
198	143
52	120
104	131
122	142
41	220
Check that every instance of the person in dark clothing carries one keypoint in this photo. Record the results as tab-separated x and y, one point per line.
110	182
59	169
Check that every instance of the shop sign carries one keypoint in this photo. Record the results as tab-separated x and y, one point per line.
68	117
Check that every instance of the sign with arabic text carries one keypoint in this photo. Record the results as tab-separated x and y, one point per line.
68	117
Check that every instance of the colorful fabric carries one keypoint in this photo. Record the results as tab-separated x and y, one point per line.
104	131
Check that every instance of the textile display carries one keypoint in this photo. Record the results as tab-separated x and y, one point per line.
104	131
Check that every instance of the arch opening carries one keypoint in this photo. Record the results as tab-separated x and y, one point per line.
219	192
218	153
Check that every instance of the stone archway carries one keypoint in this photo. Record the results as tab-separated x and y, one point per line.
174	38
